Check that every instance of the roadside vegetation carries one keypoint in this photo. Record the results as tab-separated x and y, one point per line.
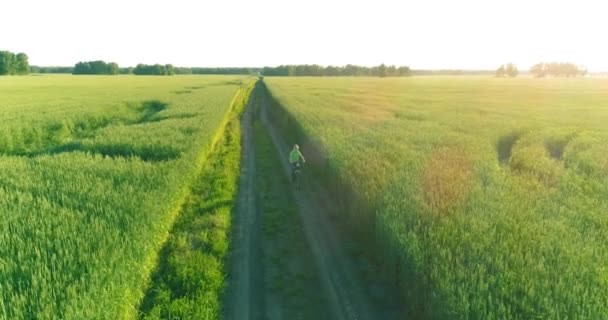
189	280
484	198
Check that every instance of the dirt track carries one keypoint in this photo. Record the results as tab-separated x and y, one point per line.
244	240
346	292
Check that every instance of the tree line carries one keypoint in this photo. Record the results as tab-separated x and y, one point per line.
95	67
557	69
154	70
100	67
11	64
316	70
168	69
452	72
208	70
508	70
540	70
230	70
16	64
51	69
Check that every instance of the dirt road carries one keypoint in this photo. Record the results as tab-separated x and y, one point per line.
345	291
241	291
343	285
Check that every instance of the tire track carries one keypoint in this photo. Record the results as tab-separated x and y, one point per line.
342	286
243	257
344	292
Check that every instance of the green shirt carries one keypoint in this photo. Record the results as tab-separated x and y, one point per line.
295	155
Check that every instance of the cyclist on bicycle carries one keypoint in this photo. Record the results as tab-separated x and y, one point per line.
295	156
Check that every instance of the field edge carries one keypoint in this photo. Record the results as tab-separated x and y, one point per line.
238	103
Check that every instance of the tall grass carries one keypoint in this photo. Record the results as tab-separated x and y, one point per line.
487	198
93	171
189	280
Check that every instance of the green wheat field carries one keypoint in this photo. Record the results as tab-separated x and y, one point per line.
481	197
487	197
93	170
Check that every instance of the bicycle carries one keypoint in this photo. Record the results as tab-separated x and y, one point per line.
296	175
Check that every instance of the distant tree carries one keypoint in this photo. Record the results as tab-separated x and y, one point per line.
169	70
557	69
96	67
552	69
83	68
159	70
6	63
404	71
222	70
182	70
349	70
331	71
112	68
382	71
538	70
570	70
305	70
140	69
276	71
39	69
11	64
300	70
500	72
453	72
154	70
22	65
511	70
582	71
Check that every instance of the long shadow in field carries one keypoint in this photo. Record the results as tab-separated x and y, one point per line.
181	91
48	135
350	280
180	116
504	146
557	145
149	109
147	112
147	153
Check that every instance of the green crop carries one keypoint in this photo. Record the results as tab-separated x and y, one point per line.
189	282
93	171
488	198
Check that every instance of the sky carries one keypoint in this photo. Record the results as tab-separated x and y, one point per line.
422	34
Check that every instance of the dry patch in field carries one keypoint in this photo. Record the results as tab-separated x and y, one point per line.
447	179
